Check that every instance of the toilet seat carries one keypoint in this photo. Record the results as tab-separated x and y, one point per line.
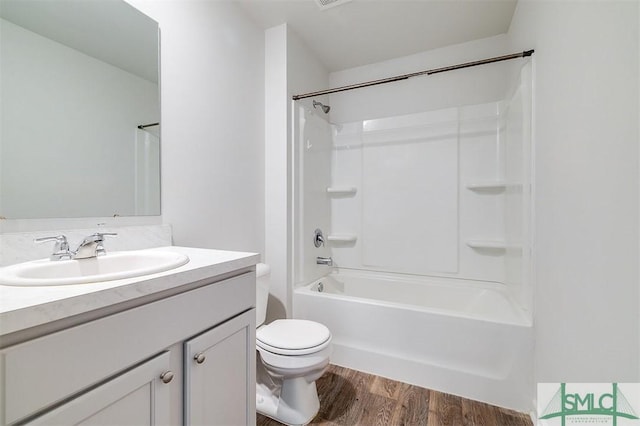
293	337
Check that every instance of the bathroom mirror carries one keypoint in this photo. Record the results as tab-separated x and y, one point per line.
79	117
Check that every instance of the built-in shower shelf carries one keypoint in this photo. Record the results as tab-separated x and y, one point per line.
342	190
491	185
342	238
487	244
487	185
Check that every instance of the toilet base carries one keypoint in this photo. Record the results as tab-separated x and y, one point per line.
292	401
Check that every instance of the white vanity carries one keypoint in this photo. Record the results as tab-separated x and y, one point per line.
169	348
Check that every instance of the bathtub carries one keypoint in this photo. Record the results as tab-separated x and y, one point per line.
462	337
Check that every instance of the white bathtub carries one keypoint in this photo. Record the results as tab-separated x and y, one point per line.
461	337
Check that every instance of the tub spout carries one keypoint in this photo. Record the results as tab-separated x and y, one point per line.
324	261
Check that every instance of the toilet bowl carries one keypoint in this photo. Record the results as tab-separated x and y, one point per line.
291	355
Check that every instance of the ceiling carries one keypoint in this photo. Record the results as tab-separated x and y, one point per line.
362	32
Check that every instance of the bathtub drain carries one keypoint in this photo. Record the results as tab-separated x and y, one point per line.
320	287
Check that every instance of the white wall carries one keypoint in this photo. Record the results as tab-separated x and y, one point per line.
64	115
277	171
290	68
212	84
438	91
586	173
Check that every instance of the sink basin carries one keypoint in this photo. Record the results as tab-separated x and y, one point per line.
112	266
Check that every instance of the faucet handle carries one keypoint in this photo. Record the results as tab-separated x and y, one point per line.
60	250
97	237
105	234
60	239
100	250
318	238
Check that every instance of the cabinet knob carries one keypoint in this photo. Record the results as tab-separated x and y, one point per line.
199	358
167	376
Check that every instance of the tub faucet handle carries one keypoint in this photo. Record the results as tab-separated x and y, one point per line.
318	238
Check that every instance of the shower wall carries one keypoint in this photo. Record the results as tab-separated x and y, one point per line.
436	193
313	152
413	210
516	156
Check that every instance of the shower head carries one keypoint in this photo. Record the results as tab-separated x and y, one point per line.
325	108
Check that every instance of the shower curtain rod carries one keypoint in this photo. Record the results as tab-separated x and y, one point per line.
414	74
144	126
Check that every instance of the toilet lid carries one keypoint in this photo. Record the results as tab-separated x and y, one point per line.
292	334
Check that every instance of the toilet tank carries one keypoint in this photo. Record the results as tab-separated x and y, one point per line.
263	275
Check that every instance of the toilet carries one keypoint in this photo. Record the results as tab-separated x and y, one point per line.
291	355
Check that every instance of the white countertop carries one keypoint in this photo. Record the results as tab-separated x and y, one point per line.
25	307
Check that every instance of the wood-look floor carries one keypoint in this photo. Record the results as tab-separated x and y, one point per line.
349	397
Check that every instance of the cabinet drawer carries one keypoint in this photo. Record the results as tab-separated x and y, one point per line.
40	373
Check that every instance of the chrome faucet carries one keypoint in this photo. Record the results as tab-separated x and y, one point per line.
60	250
324	261
92	246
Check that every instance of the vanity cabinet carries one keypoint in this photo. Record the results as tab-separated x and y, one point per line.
188	356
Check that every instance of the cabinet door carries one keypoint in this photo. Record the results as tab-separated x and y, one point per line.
136	397
220	385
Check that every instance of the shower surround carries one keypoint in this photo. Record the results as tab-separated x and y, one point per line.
426	216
